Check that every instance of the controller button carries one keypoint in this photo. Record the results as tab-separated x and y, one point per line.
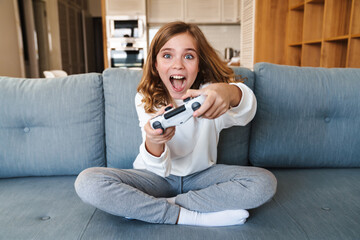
195	106
168	108
186	99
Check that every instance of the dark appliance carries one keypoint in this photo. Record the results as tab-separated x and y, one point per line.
127	57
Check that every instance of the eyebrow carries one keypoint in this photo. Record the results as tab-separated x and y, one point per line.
171	49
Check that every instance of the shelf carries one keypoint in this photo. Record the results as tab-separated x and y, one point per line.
298	7
311	54
296	4
298	44
315	1
293	55
295	26
335	53
313	41
337	18
355	27
313	21
354	56
323	33
345	37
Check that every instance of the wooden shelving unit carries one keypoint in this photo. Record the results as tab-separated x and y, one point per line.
323	33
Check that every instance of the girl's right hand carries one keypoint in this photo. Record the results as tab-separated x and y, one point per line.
156	139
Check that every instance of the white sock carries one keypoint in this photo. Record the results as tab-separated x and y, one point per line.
213	219
171	200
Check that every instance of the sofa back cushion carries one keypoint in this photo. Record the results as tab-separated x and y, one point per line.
123	134
51	126
233	146
307	117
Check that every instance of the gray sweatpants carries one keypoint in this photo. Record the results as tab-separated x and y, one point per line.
141	194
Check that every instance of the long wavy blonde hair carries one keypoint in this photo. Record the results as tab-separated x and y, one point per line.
211	68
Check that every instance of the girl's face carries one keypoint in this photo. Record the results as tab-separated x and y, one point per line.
178	64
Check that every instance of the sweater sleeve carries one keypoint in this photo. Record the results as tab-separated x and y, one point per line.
158	165
242	114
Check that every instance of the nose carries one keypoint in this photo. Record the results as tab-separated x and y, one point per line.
178	63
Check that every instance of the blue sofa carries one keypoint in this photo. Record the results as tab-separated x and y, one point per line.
306	131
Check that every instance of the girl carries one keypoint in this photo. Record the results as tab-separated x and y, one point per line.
175	179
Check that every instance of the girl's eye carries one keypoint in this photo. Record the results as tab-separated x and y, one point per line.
189	56
167	55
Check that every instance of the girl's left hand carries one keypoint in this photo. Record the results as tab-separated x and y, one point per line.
219	98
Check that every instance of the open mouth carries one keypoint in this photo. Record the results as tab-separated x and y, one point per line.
178	82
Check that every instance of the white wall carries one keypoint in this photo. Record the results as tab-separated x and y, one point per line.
11	48
222	36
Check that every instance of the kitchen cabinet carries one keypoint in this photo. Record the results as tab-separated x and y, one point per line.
230	11
194	11
162	11
203	11
125	7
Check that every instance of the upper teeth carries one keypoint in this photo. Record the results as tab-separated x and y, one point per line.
178	77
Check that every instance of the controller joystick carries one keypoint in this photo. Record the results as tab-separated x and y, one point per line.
195	106
174	117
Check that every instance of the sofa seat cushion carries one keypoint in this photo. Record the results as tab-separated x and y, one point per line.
42	208
51	126
324	203
267	222
307	117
